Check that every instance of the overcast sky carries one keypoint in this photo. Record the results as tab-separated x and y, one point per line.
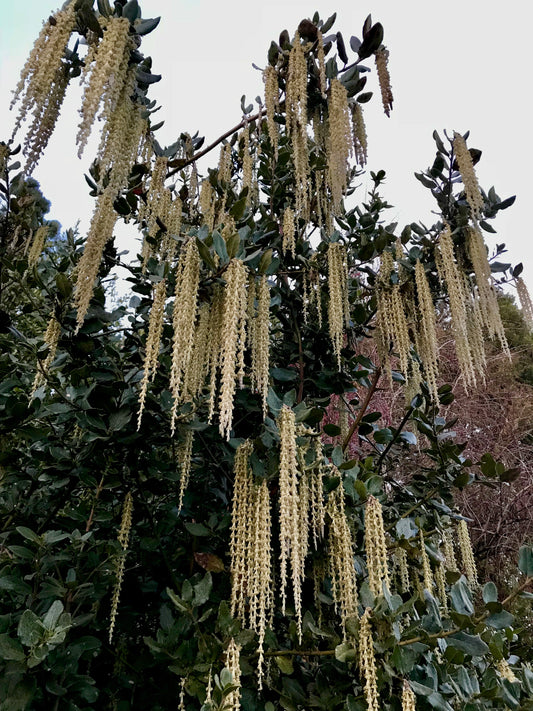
456	65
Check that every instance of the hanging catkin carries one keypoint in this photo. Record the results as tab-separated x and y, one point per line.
105	77
467	554
426	337
231	339
408	697
382	60
367	662
123	539
184	457
338	312
270	78
289	533
155	329
260	338
375	547
468	175
43	81
340	143
296	111
525	301
233	699
341	556
451	275
184	321
51	339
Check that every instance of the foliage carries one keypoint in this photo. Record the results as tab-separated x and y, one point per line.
75	447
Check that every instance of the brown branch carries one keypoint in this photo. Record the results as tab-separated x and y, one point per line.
301	653
215	143
361	413
93	508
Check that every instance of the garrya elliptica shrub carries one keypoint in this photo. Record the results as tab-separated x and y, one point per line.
183	524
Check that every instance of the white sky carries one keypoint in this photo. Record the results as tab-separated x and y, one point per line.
454	65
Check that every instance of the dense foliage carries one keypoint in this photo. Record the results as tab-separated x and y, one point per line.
218	518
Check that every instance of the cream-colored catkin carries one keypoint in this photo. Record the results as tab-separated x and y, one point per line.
376	547
289	232
340	143
184	321
289	533
450	274
261	342
316	289
296	111
38	243
51	339
214	341
401	328
427	575
232	701
240	527
467	554
321	61
360	140
317	508
525	301
173	221
106	77
100	232
505	671
121	136
123	539
181	701
338	313
440	580
408	697
41	86
207	203
382	60
184	457
367	661
196	372
488	301
155	329
231	340
427	330
43	124
402	569
261	596
468	175
270	78
149	211
224	164
391	317
304	500
247	163
341	557
476	341
450	560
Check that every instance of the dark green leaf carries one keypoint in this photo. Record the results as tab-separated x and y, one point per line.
468	643
144	27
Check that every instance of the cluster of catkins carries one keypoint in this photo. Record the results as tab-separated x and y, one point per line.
305	517
406	317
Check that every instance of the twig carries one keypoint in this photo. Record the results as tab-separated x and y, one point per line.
362	410
215	143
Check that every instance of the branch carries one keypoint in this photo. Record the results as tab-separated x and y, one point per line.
215	143
362	410
395	437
